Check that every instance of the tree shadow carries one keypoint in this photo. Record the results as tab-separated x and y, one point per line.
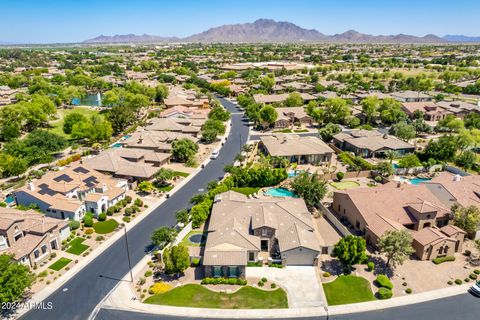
335	267
381	267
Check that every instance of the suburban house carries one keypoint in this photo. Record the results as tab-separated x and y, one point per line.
129	163
296	148
370	143
414	208
277	98
411	96
71	192
431	111
453	189
180	111
159	141
459	108
30	236
287	117
243	230
168	124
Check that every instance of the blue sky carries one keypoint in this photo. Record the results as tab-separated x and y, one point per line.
47	21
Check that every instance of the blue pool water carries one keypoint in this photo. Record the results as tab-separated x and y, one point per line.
117	145
126	137
9	199
280	192
395	166
294	173
418	180
92	100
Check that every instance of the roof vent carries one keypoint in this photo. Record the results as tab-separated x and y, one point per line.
457	177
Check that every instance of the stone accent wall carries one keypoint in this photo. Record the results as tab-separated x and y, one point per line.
209	271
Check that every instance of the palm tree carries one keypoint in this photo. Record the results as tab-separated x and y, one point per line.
391	155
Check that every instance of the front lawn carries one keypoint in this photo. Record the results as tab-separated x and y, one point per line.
348	289
186	241
165	188
104	227
343	185
76	246
197	296
180	174
59	264
246	190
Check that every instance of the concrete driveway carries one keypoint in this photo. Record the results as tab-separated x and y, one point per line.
301	283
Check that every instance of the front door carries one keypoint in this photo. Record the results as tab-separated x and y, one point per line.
264	245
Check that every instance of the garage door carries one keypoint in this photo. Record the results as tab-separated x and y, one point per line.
299	257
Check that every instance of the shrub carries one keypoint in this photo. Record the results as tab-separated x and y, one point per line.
473	276
102	217
128	212
384	293
126	219
111	211
326	274
100	238
74	225
383	281
148	273
264	279
458	281
254	264
340	176
260	283
450	283
466	279
404	284
273	286
138	202
276	265
159	287
230	281
408	291
443	259
467	253
128	199
195	262
370	266
88	221
53	254
89	231
476	271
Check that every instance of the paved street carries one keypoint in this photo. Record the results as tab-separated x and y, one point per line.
81	294
461	307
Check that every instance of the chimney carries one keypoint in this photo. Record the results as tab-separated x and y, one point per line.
31	186
140	139
399	184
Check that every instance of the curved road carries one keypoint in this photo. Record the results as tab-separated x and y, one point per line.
87	288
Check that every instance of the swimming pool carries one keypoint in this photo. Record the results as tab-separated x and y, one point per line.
294	173
415	180
280	192
116	145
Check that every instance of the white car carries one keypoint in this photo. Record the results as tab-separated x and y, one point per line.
475	289
214	155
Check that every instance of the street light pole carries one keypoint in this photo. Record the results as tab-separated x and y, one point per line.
128	252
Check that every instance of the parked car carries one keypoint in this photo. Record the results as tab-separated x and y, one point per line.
214	155
475	289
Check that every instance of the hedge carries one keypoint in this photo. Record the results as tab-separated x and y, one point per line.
443	259
384	282
384	293
231	281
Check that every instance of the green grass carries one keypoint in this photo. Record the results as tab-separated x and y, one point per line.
300	130
59	264
343	185
76	246
165	188
283	131
186	241
348	289
246	190
104	227
197	296
180	174
57	125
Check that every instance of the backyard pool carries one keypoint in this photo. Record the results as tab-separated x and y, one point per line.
116	145
294	173
280	192
415	180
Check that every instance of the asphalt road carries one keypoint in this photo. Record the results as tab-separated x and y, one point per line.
81	294
461	307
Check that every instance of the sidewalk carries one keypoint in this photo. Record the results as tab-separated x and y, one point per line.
54	286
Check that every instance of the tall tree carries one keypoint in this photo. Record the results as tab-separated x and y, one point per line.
351	250
15	278
396	245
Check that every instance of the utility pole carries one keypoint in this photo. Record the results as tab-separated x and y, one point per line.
128	252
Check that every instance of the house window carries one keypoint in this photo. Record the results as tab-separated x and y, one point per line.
44	249
264	245
217	272
264	232
251	256
233	272
36	254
